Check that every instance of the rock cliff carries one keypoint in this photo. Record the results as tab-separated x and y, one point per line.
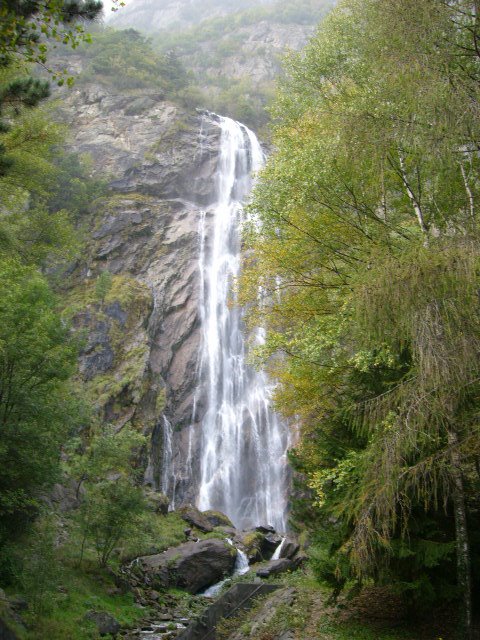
140	355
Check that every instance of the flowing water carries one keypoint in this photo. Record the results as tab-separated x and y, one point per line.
243	442
241	567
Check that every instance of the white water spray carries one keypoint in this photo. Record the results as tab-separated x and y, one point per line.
243	443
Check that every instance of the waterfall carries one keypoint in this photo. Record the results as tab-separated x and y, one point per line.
278	550
241	567
243	467
167	471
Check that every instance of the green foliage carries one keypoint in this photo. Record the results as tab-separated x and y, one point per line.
364	238
112	504
26	31
141	69
110	512
103	285
37	408
41	571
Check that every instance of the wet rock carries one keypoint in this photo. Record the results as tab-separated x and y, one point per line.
196	518
105	623
275	567
269	544
251	542
190	566
218	519
290	548
265	529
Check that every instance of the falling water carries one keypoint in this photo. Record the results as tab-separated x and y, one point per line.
241	567
167	471
244	444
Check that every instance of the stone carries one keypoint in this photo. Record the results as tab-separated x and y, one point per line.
218	519
195	518
17	603
251	542
265	529
105	623
269	544
192	566
289	548
275	567
157	501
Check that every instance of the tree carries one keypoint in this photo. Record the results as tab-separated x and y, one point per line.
113	502
37	409
27	27
365	244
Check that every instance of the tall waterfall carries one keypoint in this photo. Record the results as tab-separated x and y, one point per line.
243	443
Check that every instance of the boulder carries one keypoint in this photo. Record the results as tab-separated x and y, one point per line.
192	566
269	544
105	623
265	529
157	501
195	518
289	548
276	566
218	519
251	542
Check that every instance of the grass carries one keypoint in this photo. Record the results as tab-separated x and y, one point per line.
75	589
83	589
309	617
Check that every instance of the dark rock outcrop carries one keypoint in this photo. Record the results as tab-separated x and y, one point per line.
290	548
192	566
218	519
275	567
105	623
196	518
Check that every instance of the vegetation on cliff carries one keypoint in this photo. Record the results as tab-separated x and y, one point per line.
366	246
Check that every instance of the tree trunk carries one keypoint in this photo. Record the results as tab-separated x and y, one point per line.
461	533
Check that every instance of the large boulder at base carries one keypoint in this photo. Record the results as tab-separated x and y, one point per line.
276	566
218	519
105	623
192	566
195	518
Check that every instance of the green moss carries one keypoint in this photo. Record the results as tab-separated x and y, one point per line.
220	517
252	541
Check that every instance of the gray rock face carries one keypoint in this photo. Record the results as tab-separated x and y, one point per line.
140	354
105	623
192	566
140	358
